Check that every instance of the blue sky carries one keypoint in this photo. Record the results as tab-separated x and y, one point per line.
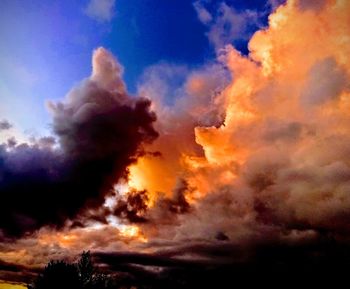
46	46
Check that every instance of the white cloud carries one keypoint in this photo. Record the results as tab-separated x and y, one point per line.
100	10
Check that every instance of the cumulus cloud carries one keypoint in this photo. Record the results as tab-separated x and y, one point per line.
276	162
252	157
100	10
100	131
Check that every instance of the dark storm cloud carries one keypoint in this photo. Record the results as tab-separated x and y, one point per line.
5	266
119	258
178	203
229	266
16	273
133	207
100	130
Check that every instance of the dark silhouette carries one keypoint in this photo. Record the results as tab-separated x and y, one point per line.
315	265
82	275
57	275
85	269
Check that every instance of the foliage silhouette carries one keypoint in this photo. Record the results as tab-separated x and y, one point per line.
80	275
86	269
58	275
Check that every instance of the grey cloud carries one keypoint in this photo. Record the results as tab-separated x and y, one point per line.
325	82
5	125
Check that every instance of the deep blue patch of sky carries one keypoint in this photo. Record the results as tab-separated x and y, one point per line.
52	41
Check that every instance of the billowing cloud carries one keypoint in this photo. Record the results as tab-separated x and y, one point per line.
251	162
100	131
100	10
276	161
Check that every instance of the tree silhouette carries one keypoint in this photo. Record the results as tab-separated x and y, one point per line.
89	277
58	275
86	269
81	275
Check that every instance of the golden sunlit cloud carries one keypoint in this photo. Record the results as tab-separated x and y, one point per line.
282	110
265	157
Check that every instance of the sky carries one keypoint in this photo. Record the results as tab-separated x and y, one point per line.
186	134
46	46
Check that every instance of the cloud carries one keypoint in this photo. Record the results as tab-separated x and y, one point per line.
275	4
5	125
100	10
227	25
270	264
231	25
250	162
325	82
315	5
100	130
275	162
15	274
203	14
182	99
132	207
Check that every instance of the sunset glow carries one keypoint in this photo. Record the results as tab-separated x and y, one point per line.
187	162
